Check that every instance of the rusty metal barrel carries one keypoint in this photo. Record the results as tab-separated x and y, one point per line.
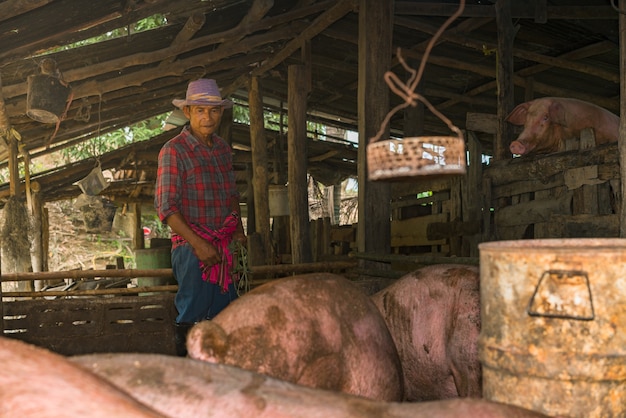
553	335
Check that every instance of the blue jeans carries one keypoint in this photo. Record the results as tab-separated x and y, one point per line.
196	300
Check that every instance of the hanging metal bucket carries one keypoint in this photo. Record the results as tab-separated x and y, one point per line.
46	98
553	333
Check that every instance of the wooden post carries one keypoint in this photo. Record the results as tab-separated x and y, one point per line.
259	169
37	258
472	195
505	69
251	227
622	125
297	170
375	37
137	237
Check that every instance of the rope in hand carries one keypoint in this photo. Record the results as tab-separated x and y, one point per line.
407	91
240	266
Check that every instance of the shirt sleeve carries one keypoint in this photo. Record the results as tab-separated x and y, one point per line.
168	183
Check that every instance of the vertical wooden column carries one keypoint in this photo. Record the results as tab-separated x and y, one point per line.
137	237
375	36
23	262
622	123
297	169
260	177
37	254
251	227
505	69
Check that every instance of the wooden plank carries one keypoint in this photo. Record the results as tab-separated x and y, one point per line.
444	230
514	232
587	225
580	176
526	186
481	122
534	211
585	200
413	232
543	167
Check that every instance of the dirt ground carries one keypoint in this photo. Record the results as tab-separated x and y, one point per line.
81	242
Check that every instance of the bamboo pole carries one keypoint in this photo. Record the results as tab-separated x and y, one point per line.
77	274
418	259
167	272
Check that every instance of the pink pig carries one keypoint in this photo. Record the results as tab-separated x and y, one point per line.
549	121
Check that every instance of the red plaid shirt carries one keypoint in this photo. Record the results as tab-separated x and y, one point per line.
195	180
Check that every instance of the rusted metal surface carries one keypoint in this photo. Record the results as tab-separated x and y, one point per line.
553	317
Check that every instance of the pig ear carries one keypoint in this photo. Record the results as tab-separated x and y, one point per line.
518	115
556	111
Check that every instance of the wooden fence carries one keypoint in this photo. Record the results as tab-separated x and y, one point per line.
570	194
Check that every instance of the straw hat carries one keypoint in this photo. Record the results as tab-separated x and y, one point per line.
203	92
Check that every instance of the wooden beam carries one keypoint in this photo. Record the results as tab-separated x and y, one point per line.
542	88
334	13
519	10
191	27
463	39
260	175
256	13
12	8
244	47
375	41
297	170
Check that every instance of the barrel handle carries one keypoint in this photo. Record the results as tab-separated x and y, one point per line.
564	294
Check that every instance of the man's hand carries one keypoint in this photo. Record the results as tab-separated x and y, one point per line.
207	253
240	237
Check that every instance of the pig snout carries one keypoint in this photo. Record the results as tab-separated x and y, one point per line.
207	341
518	148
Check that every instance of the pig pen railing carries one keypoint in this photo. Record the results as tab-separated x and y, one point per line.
135	319
72	322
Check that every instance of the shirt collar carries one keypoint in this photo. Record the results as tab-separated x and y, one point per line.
195	142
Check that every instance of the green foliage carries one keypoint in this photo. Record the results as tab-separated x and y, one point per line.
94	147
273	120
158	228
151	22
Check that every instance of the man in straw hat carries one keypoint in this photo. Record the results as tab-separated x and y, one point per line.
197	197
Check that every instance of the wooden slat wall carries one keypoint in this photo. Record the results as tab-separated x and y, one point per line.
571	194
142	324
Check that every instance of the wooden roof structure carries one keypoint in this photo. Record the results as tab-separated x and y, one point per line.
564	48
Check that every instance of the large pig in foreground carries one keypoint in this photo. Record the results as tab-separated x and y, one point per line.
433	315
186	388
549	121
318	330
40	384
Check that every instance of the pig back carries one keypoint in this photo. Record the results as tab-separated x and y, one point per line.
318	330
433	315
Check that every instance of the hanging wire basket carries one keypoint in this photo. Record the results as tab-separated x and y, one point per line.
404	159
